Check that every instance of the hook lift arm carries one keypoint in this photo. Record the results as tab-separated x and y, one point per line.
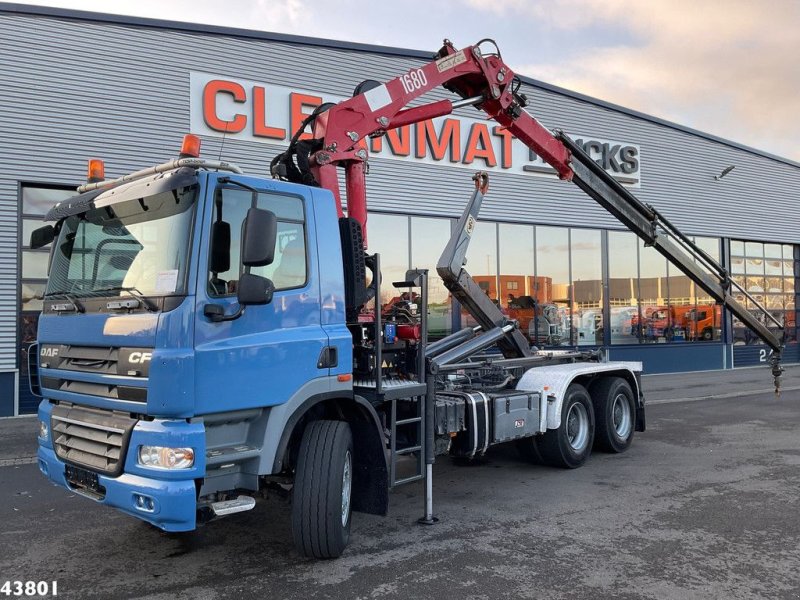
483	80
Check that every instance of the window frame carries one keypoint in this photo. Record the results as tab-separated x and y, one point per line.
24	245
22	313
303	223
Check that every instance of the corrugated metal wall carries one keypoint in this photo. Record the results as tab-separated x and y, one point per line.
8	266
72	89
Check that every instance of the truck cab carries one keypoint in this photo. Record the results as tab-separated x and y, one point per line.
170	363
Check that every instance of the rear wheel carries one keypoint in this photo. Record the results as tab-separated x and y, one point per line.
569	446
615	411
322	489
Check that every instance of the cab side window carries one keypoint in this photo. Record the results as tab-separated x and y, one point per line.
289	269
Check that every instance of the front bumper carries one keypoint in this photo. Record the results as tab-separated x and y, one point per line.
165	499
174	502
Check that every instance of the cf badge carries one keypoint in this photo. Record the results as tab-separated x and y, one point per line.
134	362
140	357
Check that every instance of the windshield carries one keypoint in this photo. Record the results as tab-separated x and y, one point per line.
137	244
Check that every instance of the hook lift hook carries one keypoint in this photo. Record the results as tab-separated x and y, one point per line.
481	179
777	370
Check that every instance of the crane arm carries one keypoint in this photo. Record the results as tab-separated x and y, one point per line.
340	131
482	79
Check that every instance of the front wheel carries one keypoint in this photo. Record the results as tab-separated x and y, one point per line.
569	446
322	487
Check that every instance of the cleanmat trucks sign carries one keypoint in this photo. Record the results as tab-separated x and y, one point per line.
263	112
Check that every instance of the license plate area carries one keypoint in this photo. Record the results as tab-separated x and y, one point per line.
84	482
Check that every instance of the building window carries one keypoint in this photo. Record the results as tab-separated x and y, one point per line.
766	272
553	325
703	322
428	238
387	235
549	280
517	276
417	243
586	287
35	201
482	264
623	287
651	301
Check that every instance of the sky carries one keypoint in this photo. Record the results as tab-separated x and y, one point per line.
726	67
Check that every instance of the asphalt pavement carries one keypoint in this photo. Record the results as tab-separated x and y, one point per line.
703	505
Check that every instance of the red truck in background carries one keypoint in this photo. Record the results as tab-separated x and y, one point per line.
679	322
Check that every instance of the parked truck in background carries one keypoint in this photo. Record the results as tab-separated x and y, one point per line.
206	333
679	322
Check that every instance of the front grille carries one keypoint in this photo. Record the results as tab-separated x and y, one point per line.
116	392
92	438
88	359
102	360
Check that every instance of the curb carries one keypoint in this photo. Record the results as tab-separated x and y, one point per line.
15	462
720	396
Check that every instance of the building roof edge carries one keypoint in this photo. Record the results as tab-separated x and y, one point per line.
83	15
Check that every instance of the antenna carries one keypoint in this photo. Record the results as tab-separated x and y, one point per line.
222	143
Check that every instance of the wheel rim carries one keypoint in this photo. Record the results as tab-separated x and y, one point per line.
347	483
578	427
621	416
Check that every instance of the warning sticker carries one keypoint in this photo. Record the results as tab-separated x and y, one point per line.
378	97
470	226
448	62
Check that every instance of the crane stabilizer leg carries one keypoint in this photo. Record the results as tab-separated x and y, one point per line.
464	288
659	233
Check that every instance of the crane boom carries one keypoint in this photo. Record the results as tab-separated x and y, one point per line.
482	79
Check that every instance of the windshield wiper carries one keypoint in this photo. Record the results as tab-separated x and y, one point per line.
148	304
75	303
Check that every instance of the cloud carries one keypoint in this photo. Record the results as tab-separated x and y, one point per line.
726	67
268	15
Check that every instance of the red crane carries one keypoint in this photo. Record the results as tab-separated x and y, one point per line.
483	80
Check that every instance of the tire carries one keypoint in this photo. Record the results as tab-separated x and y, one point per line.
708	334
322	486
615	414
569	446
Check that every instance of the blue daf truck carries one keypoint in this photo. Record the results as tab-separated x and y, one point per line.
207	334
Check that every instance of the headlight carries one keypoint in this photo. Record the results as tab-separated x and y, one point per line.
44	431
166	458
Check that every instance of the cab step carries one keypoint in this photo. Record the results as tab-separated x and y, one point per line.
229	507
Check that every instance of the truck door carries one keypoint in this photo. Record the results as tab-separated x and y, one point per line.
263	357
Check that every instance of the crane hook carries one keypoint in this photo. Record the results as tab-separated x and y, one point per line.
481	179
777	370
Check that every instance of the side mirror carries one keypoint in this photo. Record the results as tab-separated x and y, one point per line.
259	233
220	246
254	289
42	236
